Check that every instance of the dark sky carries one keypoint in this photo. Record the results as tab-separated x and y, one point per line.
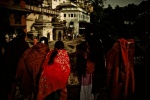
121	3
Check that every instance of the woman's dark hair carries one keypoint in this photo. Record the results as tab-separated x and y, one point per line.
58	45
81	60
43	40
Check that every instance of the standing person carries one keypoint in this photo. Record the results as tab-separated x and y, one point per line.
120	71
73	37
145	73
54	77
98	57
85	69
35	40
14	50
59	35
7	38
3	44
69	36
29	68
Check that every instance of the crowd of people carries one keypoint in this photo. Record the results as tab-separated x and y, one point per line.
34	73
107	69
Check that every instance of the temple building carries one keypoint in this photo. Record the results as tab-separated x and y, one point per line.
23	14
76	17
59	31
39	21
13	15
49	18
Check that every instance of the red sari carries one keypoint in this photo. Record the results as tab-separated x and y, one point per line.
54	76
29	67
120	72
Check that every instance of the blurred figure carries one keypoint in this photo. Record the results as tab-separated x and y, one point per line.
7	37
54	77
120	72
14	35
59	35
145	84
29	69
3	44
35	40
14	50
97	55
69	36
85	68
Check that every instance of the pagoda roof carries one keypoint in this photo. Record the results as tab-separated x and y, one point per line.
66	4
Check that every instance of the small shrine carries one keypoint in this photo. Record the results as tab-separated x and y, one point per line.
44	26
59	31
33	33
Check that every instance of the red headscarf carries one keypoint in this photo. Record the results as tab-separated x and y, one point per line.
54	76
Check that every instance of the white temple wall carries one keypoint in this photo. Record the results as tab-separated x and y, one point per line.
30	20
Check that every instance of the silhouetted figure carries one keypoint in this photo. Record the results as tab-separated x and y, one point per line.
98	57
14	51
145	76
138	71
85	68
3	44
59	35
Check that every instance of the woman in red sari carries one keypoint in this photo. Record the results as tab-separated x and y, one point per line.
120	70
56	70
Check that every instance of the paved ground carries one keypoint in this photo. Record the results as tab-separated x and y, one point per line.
70	46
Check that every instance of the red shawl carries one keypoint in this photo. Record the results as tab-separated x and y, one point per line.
29	67
120	73
54	76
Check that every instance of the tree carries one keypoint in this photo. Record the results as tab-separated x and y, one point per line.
96	14
97	3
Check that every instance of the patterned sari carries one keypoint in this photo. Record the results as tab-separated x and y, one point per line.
55	76
29	68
